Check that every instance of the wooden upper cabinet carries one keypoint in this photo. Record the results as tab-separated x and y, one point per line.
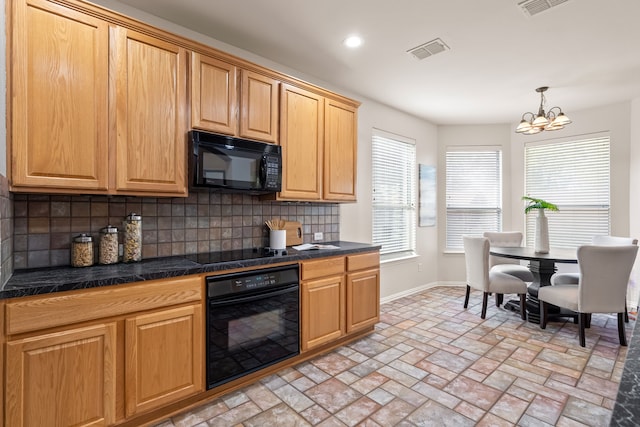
301	138
59	99
259	107
340	151
214	95
228	100
150	100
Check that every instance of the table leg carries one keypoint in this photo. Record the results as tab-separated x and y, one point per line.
542	271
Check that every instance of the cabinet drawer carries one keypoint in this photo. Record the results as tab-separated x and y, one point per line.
66	308
322	268
360	261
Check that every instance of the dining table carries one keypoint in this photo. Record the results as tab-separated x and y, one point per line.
542	266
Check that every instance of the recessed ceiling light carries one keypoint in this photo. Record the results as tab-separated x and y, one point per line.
352	41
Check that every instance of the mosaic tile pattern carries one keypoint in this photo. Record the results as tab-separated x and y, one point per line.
432	363
203	222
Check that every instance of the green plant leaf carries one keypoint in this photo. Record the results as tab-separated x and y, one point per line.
534	203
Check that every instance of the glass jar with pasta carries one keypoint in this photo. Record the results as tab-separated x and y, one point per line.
132	238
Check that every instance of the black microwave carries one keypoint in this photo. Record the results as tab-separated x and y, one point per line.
229	164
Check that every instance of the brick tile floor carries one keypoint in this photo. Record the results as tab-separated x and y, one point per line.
432	363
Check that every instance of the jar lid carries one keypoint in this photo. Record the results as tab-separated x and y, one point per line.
134	217
109	229
83	238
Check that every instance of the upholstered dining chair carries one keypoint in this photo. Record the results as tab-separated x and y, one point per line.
602	286
572	278
479	276
508	239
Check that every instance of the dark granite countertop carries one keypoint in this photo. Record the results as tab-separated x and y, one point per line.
626	411
58	279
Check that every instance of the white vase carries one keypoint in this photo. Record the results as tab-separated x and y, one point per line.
542	233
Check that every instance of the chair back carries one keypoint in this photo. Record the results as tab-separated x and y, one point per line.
505	239
604	275
613	241
476	257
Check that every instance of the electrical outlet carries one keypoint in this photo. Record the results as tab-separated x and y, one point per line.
419	266
318	236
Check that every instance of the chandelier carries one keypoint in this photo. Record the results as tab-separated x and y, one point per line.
554	119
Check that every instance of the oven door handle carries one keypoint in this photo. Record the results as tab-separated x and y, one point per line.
227	301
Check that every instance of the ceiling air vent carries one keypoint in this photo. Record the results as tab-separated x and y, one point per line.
428	49
533	7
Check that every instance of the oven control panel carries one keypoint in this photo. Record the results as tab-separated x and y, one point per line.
218	286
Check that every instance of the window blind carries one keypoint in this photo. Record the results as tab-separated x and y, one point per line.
473	193
394	208
574	175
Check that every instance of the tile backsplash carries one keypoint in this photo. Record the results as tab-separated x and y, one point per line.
6	231
44	225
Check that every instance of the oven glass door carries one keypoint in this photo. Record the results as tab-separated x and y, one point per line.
248	333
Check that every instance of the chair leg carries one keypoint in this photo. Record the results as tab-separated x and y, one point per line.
588	322
466	297
485	298
582	319
523	306
499	299
543	315
621	333
626	312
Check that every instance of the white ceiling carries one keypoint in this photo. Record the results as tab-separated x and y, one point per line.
586	51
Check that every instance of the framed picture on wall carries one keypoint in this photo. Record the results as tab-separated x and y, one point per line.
427	204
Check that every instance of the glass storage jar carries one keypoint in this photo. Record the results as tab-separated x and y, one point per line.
108	250
132	238
82	251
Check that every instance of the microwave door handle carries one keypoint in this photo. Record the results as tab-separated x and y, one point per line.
263	171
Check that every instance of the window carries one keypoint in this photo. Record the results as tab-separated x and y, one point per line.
394	207
474	193
574	175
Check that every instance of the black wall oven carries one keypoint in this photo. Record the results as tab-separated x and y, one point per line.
253	321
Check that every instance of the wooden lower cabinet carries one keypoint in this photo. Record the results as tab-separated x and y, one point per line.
340	295
322	311
103	356
363	299
63	378
164	357
363	290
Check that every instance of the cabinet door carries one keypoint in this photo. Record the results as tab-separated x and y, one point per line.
363	299
59	99
164	357
214	95
63	379
150	99
323	311
259	103
301	121
340	148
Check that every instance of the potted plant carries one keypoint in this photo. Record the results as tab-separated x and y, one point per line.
541	243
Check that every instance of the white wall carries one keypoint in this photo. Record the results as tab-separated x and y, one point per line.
615	119
451	264
355	219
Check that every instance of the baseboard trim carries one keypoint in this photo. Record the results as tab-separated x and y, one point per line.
419	289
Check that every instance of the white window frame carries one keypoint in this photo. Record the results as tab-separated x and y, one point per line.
473	205
393	170
575	174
